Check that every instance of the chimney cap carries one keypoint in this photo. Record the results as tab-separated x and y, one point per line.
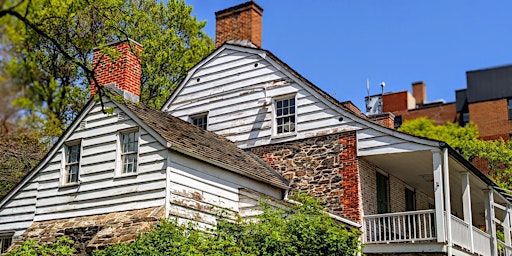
239	7
113	43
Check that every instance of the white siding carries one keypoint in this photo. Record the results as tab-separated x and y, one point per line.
233	87
203	193
375	142
17	214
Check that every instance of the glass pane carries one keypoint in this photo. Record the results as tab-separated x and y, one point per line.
279	104
130	163
292	102
285	111
285	103
279	112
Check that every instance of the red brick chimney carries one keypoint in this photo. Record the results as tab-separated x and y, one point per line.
419	92
241	22
122	73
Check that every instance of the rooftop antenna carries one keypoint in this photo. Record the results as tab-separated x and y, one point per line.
382	84
368	87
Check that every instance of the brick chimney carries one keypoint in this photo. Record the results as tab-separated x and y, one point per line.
122	73
419	92
239	23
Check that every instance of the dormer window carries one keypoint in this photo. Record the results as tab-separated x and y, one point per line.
285	120
200	120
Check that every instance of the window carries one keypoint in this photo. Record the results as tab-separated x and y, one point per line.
200	121
5	242
465	119
410	200
510	109
72	163
398	121
382	193
285	115
129	151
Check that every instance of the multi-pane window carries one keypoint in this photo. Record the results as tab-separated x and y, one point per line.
285	115
72	167
465	119
200	121
5	242
129	149
398	121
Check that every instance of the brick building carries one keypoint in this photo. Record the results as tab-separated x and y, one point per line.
487	101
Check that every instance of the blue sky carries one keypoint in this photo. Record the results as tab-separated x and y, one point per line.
337	45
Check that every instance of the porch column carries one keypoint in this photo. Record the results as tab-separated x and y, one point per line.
447	201
438	195
466	204
489	219
506	225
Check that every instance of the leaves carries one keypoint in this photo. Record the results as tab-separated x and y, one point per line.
496	155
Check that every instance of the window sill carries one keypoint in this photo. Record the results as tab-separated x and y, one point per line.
284	135
70	185
126	175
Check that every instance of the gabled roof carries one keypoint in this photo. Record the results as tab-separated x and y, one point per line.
207	146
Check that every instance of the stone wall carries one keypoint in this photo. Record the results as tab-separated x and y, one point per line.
96	231
325	166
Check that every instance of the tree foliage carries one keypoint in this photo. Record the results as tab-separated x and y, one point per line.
52	42
62	247
301	229
497	155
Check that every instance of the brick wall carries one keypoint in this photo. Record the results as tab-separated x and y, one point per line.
398	101
441	113
326	166
125	70
491	117
368	174
241	22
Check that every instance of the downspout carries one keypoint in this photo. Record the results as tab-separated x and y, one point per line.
168	184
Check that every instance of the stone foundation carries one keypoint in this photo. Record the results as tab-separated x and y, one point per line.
96	231
325	166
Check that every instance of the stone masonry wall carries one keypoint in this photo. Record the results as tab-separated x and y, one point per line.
97	231
325	166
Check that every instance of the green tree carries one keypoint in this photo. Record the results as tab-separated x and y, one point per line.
52	41
301	229
62	247
496	154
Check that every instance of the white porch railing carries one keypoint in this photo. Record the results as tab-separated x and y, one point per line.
420	226
399	227
482	242
503	249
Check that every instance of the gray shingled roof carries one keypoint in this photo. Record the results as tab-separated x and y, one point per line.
213	148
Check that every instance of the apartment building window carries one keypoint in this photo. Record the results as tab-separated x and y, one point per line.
129	151
510	109
465	119
398	121
382	193
200	120
5	242
410	200
285	115
71	163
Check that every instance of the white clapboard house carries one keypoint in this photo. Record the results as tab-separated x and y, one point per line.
409	195
112	175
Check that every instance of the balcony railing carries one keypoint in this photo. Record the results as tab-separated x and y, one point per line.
503	249
400	227
415	226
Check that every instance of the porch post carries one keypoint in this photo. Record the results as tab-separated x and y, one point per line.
489	219
438	195
506	226
447	201
466	204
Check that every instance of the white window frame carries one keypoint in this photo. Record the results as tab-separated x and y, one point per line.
275	116
3	238
120	165
65	163
198	116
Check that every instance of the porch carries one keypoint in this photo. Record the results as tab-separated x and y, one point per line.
465	213
416	231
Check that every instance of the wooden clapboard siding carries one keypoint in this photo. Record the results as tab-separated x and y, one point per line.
100	190
17	214
378	141
203	193
232	87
